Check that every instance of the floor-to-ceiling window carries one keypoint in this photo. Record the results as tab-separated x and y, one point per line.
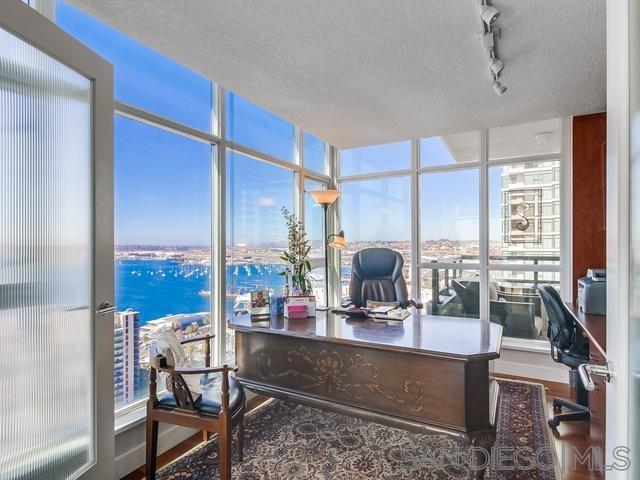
270	166
375	205
525	223
479	213
256	230
163	197
167	143
376	213
449	232
163	244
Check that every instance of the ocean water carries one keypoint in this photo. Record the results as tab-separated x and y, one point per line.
157	288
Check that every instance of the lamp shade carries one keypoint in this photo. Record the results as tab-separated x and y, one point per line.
338	241
324	197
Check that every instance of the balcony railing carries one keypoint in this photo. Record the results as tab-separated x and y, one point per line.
451	274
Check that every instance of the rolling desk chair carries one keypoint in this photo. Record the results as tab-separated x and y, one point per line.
569	347
376	275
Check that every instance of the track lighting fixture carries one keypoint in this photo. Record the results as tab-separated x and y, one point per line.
488	16
498	87
496	65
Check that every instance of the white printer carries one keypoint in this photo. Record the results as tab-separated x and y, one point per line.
592	292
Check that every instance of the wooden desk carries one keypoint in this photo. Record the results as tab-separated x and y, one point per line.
595	328
427	373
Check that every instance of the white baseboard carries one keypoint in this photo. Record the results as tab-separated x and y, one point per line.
131	459
534	365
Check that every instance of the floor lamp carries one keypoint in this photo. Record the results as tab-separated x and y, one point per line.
324	198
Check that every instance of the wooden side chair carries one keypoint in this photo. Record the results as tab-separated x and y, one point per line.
218	408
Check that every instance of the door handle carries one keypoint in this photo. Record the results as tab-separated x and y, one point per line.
104	308
586	370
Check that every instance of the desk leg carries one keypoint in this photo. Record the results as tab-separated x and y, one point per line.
482	444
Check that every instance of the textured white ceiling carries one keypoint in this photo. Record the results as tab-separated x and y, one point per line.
362	72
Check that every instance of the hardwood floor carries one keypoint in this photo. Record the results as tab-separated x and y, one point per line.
570	438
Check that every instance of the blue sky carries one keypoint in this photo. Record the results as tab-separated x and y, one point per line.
162	183
162	180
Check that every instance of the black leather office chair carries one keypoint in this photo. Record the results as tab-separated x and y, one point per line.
376	275
569	347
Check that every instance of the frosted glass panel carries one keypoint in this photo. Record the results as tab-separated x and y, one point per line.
46	420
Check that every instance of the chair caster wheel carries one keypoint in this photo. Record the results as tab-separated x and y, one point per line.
553	423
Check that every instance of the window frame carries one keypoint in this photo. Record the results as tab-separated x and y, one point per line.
483	265
219	144
131	413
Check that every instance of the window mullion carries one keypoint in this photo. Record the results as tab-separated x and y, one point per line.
299	176
484	226
415	219
218	236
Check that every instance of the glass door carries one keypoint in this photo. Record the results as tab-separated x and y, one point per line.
634	237
56	268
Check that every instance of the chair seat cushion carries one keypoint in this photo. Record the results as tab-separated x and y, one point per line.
209	402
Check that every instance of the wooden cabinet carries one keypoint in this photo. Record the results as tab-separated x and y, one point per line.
595	328
589	194
597	404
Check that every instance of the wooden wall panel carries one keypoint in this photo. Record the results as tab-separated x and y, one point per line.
589	194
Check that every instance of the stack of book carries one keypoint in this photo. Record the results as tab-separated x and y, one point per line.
389	313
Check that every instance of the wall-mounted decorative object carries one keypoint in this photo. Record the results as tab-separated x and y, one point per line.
523	215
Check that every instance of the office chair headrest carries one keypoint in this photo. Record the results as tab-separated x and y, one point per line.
377	262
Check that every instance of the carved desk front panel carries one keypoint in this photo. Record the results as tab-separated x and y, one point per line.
440	391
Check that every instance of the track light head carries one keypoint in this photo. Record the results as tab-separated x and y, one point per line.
489	14
498	87
496	65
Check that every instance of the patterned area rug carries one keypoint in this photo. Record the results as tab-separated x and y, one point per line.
290	441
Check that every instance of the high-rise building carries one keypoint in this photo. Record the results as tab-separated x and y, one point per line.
126	371
531	206
531	221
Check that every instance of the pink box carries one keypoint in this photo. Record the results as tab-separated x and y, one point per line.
297	311
308	301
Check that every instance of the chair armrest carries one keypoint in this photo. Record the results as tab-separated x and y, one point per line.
198	339
416	302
